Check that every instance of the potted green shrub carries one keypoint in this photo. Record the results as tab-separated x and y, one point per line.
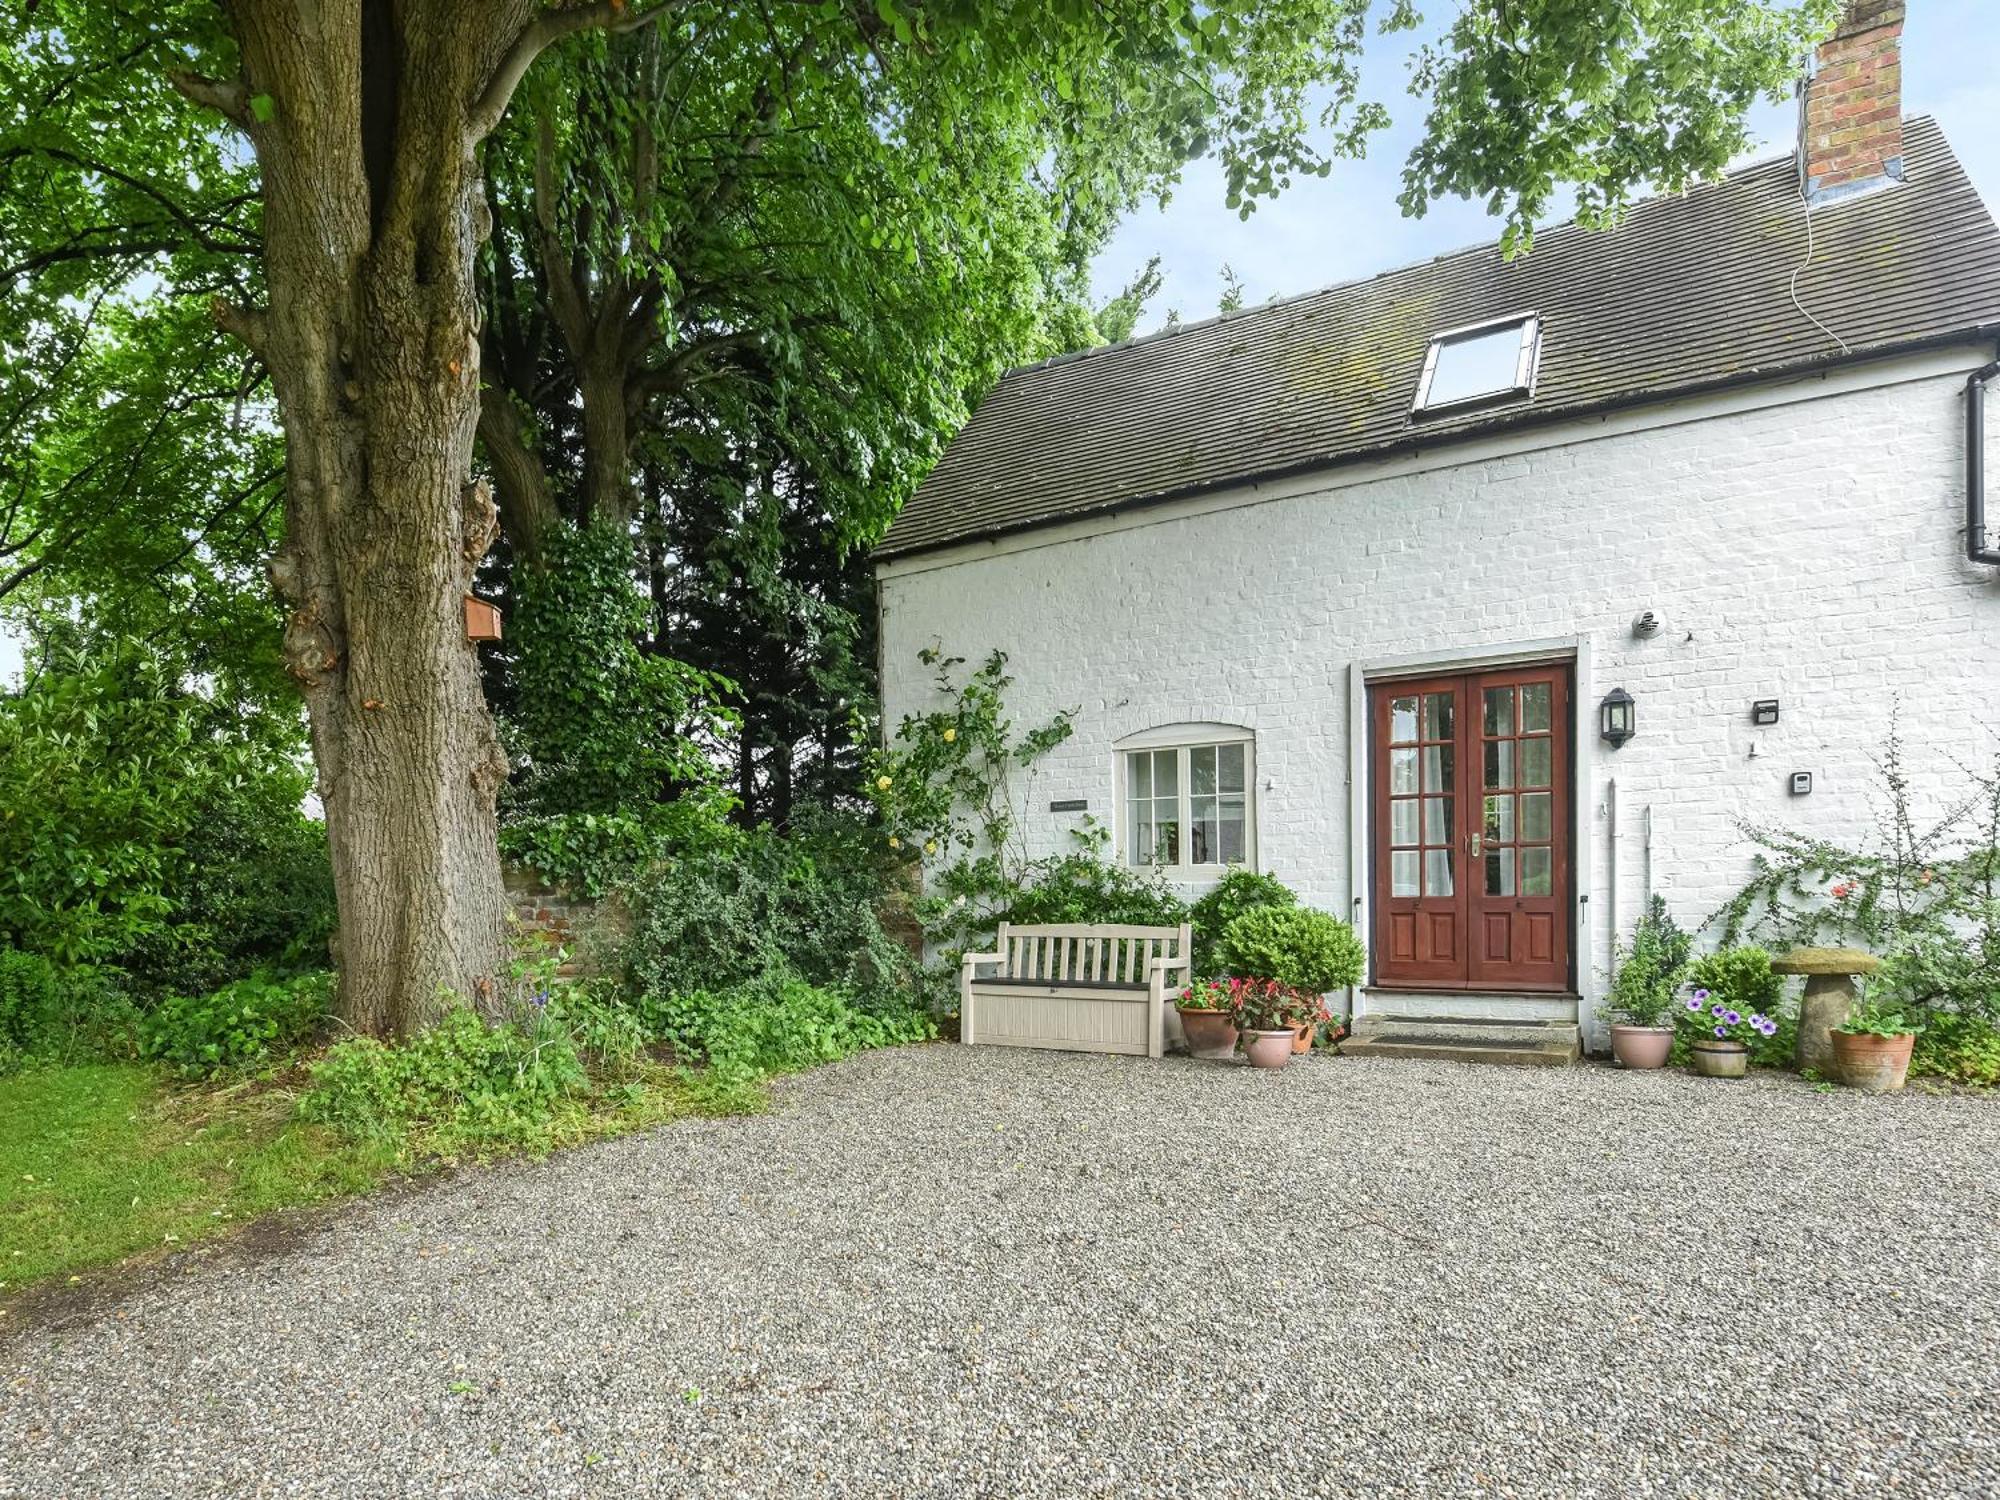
1872	1047
1733	1005
1208	1010
1268	1013
1644	990
1305	951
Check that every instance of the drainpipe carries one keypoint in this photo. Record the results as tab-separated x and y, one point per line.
1979	546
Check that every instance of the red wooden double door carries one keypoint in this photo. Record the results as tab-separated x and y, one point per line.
1471	814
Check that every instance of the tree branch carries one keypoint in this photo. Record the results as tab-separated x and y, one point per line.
548	28
227	97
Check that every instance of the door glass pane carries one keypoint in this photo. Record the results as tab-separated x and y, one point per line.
1201	771
1500	820
1437	768
1535	757
1234	831
1142	775
1500	711
1229	768
1537	816
1499	763
1537	878
1437	820
1166	773
1403	770
1403	823
1534	707
1402	720
1403	873
1500	872
1437	872
1437	716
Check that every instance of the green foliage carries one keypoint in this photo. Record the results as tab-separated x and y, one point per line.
253	1020
51	1014
1082	887
1741	977
779	1023
148	819
718	914
1880	1015
1239	891
1958	1048
944	786
1299	947
1270	1005
1924	892
600	725
1735	997
1646	986
1615	99
462	1085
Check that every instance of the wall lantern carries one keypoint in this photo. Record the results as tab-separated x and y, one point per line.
1616	718
1764	711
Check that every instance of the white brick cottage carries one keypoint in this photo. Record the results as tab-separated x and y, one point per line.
1340	586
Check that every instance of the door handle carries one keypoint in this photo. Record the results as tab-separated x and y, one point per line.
1475	845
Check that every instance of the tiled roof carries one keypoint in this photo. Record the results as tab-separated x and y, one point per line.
1689	292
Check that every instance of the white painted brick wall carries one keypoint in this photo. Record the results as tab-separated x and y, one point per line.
1811	550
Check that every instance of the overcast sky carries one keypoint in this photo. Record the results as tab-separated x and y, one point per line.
1330	229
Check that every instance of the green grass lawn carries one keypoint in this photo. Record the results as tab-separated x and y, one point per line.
102	1161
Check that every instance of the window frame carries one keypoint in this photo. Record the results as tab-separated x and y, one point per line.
1527	365
1182	740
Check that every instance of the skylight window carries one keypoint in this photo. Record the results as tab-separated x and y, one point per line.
1486	362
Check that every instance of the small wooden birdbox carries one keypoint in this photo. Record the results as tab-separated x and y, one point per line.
482	620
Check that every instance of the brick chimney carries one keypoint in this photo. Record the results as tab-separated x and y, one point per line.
1851	130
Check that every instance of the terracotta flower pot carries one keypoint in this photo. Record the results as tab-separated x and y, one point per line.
1641	1047
1719	1059
1269	1049
1302	1037
1873	1064
1211	1034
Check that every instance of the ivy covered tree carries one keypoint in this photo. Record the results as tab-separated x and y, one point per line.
323	180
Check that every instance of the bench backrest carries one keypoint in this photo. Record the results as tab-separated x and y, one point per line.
1089	953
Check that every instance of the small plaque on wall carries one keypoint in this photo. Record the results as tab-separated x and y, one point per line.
1072	804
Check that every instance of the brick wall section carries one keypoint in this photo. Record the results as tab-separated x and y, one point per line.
1808	552
1854	103
549	912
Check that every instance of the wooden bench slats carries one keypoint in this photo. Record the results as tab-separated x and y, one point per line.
1059	986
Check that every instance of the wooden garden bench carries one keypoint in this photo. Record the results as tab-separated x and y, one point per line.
1079	988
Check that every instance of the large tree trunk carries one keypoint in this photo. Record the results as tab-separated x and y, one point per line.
363	115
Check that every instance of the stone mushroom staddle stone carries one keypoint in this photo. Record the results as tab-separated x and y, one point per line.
1830	995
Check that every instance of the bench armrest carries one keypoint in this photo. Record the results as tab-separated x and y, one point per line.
972	960
1169	964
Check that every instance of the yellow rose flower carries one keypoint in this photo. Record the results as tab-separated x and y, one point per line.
894	842
950	735
883	783
930	846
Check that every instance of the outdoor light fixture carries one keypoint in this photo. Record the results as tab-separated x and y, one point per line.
1616	718
1764	711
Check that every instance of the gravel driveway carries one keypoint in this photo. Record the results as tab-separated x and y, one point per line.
955	1272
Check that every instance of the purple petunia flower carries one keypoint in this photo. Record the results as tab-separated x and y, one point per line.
1701	994
1722	1031
1694	1002
1732	1017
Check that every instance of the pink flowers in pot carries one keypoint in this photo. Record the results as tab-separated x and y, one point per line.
1256	1004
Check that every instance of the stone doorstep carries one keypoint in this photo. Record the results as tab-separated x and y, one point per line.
1517	1043
1505	1052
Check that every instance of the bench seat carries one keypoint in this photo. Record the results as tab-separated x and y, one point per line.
1074	988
